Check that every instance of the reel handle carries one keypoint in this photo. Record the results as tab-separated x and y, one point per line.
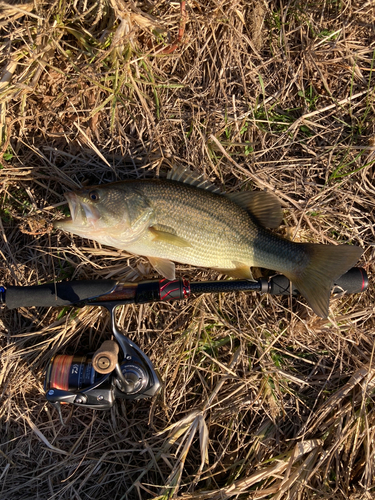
105	358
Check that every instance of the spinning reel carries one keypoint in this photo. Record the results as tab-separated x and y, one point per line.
118	369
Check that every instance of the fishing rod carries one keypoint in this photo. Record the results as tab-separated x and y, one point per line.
119	368
107	292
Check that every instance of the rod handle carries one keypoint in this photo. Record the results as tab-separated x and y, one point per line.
65	293
354	281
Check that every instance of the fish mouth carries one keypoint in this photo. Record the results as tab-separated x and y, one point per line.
81	214
72	200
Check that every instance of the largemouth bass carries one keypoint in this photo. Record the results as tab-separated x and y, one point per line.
183	219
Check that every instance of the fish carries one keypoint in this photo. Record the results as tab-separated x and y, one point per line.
186	219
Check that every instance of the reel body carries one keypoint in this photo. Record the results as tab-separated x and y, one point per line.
118	369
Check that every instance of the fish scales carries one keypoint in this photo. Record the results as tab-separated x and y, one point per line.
218	230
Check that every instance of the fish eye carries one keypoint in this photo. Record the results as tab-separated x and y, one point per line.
94	196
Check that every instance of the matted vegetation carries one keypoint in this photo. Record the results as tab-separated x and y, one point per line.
261	398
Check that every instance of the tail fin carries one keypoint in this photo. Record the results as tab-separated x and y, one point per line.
326	264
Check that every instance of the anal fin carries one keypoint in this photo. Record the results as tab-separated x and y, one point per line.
241	271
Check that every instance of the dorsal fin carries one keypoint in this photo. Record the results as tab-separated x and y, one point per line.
264	206
183	174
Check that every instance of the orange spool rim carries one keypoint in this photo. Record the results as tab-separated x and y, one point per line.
59	378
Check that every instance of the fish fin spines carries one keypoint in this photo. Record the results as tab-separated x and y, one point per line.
326	263
185	175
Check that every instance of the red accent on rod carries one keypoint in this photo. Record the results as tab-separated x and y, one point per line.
167	283
186	288
169	292
363	280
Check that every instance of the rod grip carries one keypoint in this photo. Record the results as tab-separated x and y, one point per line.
354	281
60	294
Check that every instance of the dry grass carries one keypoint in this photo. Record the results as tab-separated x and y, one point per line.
261	398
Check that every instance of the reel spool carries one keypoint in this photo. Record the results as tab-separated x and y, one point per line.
68	373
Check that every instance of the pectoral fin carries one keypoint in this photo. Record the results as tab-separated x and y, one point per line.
264	206
167	237
164	267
